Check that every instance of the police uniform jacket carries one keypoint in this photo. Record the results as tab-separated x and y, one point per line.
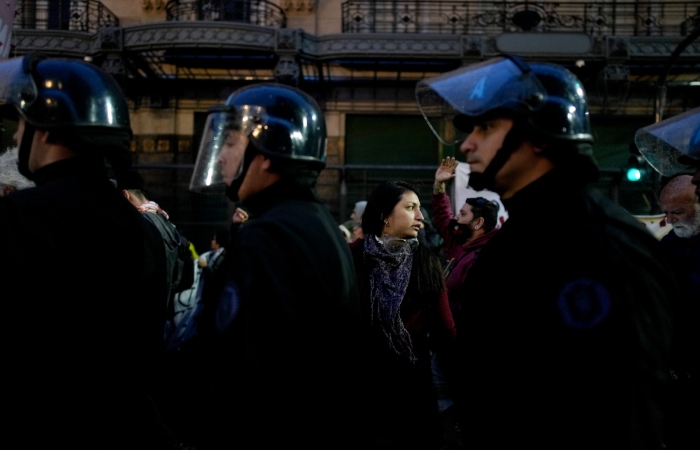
83	313
281	368
566	328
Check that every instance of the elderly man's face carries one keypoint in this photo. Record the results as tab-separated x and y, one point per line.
682	209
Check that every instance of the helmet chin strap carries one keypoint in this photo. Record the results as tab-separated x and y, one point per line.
25	148
232	190
487	179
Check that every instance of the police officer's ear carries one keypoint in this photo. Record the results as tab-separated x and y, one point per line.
48	137
6	190
266	163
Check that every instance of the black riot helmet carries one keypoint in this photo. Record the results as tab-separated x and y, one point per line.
77	101
672	146
546	101
281	122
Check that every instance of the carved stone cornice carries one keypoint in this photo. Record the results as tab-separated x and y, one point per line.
200	34
661	47
52	42
230	36
422	46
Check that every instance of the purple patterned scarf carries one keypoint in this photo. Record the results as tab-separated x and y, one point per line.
388	283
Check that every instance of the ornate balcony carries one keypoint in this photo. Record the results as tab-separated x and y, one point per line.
72	15
598	18
254	12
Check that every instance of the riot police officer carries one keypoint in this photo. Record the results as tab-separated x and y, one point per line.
671	147
81	268
566	310
282	332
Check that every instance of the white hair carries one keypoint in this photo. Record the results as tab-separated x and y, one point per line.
9	172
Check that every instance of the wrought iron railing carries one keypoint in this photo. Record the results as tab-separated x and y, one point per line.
626	18
255	12
74	15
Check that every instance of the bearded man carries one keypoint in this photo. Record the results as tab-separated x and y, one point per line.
672	147
679	203
465	233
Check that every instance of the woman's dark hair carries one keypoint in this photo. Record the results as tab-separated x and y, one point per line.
487	209
426	272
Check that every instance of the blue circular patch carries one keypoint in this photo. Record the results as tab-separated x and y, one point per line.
229	305
584	303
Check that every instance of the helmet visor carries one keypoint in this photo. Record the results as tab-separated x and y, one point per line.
499	83
224	141
672	146
17	87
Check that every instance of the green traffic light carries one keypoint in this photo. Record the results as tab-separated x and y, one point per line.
634	174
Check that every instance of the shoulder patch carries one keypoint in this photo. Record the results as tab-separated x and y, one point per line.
583	303
229	305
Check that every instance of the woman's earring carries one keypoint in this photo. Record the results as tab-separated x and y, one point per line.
386	223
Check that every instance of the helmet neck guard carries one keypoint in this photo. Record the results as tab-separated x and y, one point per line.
514	138
232	189
25	148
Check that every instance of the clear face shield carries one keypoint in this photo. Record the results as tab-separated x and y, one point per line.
226	135
672	146
474	90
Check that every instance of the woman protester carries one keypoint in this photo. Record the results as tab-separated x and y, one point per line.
407	314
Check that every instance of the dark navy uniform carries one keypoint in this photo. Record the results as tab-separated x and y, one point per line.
566	326
568	311
82	270
84	312
278	355
288	320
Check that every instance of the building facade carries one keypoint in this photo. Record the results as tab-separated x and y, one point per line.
638	60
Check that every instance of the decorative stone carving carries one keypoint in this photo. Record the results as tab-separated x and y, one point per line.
108	39
299	5
192	34
471	45
113	64
386	45
237	36
617	48
287	69
287	40
61	42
